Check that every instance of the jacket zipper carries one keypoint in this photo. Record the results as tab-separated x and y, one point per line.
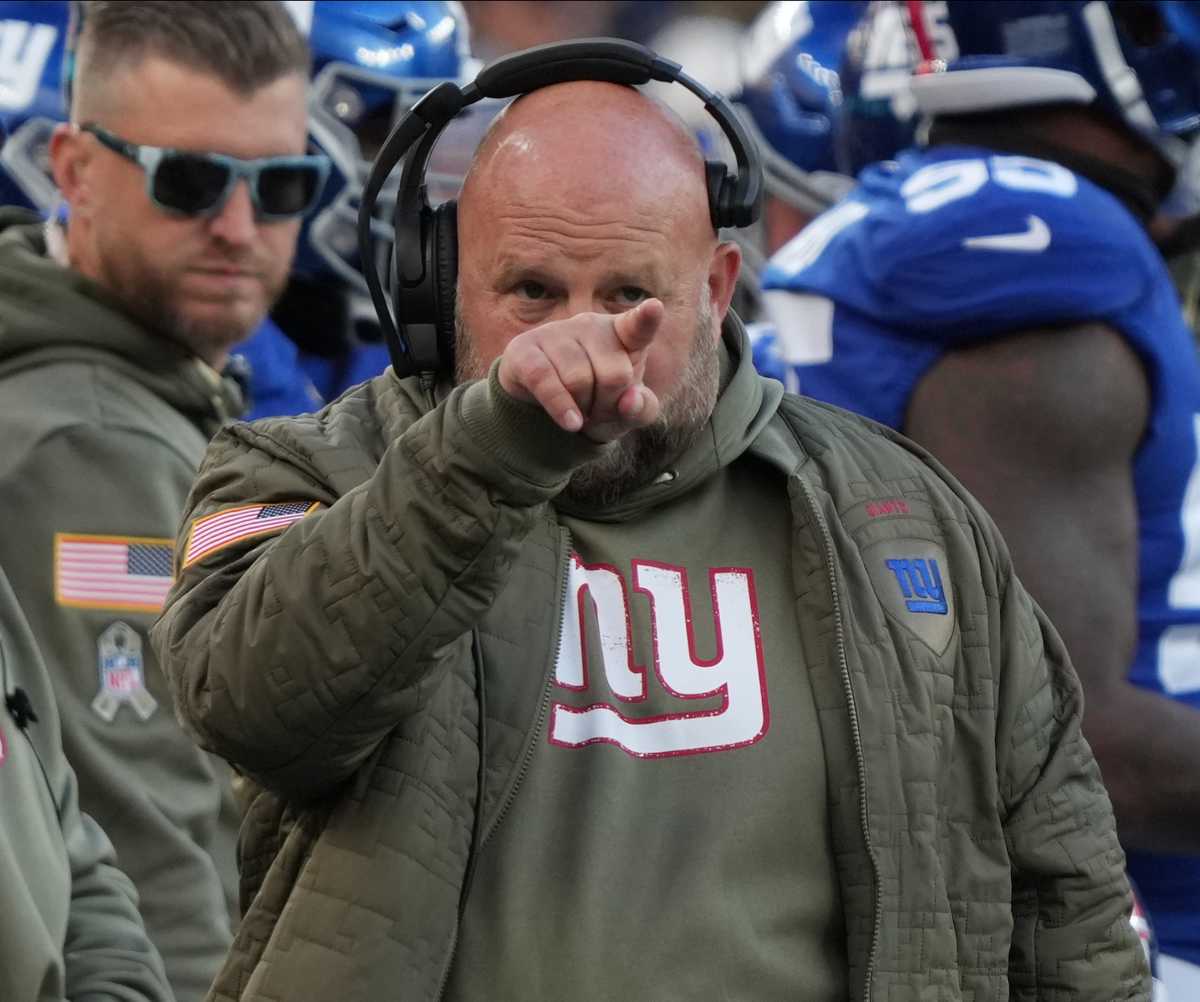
530	747
855	728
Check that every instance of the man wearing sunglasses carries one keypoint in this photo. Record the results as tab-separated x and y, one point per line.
185	177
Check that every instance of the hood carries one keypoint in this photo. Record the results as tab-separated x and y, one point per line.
746	404
49	313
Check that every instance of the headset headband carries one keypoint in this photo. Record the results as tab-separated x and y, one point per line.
734	201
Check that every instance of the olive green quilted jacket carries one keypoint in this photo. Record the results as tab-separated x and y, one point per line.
380	669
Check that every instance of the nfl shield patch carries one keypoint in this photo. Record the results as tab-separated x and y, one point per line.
122	675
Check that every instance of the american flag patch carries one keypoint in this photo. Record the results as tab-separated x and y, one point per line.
129	573
214	532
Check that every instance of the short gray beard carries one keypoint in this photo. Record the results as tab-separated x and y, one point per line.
639	457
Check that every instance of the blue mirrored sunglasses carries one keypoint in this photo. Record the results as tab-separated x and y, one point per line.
199	184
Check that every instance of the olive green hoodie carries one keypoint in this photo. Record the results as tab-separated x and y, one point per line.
104	424
71	927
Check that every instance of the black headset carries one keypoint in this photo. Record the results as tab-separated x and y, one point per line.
424	268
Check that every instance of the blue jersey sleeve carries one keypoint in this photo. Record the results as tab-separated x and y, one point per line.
764	346
959	243
277	383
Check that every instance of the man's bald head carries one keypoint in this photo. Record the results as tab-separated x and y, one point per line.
594	144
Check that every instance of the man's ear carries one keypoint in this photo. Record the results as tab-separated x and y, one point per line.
723	273
70	156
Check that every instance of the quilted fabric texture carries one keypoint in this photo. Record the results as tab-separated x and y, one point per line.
334	664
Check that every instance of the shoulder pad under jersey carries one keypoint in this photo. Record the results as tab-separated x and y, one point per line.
958	242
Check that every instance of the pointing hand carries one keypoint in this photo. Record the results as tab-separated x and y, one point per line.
586	371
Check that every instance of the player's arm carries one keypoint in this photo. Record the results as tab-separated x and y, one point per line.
1042	427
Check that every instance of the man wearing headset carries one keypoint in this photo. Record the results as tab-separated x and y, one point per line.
184	172
590	665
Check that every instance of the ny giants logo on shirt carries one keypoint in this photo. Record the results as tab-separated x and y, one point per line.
736	675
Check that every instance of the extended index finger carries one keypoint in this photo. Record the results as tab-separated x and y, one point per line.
635	328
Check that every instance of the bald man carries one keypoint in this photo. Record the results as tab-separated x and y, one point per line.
603	670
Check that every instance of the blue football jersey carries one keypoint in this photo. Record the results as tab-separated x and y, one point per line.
952	245
769	360
278	383
334	376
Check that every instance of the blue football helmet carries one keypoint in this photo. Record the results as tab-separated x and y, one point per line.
790	95
371	62
1130	59
1184	19
878	116
32	43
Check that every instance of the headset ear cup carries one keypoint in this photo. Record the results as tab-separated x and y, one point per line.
445	263
716	176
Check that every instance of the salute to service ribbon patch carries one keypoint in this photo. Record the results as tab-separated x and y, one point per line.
128	573
122	674
224	528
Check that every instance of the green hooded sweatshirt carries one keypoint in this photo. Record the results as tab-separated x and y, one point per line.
104	425
673	813
71	926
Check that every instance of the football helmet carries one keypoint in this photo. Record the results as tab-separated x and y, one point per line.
878	116
789	96
32	46
371	61
1130	59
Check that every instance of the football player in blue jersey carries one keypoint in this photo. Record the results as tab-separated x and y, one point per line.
995	294
788	98
371	60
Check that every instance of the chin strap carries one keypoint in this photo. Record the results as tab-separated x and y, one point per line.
1141	197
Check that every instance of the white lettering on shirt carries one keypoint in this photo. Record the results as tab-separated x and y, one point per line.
736	674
